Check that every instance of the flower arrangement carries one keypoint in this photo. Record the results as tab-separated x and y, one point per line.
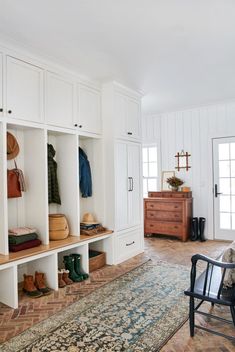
174	182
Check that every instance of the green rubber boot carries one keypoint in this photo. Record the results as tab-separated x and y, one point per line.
77	266
69	265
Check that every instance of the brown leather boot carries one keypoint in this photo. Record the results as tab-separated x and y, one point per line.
40	283
29	287
65	277
60	279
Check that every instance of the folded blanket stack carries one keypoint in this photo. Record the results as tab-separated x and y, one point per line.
22	238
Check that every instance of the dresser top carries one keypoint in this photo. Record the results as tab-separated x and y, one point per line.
170	194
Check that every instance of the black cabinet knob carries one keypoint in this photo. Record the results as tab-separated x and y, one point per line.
80	126
75	125
130	133
1	109
9	111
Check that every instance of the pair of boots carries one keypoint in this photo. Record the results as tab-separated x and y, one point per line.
72	263
197	229
36	287
63	278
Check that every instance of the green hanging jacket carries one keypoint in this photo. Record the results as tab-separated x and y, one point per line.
53	186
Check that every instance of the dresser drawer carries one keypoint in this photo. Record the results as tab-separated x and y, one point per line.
128	244
163	228
171	206
164	215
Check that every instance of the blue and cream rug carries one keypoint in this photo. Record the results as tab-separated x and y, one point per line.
137	312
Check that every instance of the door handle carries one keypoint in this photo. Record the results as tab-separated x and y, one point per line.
132	183
216	191
129	184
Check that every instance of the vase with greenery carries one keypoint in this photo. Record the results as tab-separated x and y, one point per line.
174	183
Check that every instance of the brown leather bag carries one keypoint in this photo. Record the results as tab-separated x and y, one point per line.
13	184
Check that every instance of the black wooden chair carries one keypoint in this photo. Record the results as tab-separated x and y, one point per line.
208	286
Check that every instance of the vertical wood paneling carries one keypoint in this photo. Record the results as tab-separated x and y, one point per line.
193	130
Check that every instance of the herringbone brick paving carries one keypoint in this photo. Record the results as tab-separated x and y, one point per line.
31	311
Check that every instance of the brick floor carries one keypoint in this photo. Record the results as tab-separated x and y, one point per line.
31	311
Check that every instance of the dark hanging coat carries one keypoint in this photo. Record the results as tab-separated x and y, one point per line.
85	180
53	187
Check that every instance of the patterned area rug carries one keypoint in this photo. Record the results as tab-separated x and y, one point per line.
137	312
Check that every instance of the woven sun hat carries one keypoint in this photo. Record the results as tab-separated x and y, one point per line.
12	146
88	218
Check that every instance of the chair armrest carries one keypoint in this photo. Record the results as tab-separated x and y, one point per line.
209	260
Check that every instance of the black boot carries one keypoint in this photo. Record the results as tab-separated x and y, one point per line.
69	263
194	229
77	266
202	222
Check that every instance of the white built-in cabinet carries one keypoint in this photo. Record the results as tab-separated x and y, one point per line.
123	171
89	109
24	90
1	85
127	117
60	98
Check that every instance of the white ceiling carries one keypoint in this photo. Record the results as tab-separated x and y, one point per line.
179	52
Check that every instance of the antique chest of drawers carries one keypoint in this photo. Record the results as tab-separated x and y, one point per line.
168	213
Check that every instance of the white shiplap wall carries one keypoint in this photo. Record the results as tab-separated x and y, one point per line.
192	130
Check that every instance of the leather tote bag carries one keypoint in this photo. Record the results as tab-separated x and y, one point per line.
13	183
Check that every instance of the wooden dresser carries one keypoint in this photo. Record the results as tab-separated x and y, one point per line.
168	213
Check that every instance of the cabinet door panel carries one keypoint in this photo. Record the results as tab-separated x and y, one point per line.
122	220
89	117
24	90
133	119
1	86
59	101
120	115
135	194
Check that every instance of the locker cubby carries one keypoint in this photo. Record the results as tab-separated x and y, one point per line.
104	245
30	209
82	250
8	287
66	147
94	204
46	264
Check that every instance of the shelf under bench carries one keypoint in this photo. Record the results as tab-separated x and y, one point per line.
70	242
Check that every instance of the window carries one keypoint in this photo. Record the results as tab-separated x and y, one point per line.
150	169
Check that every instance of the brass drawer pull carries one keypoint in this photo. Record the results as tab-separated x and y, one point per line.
129	244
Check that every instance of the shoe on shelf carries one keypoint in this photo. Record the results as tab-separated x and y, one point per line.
69	265
61	281
77	266
29	288
65	277
40	283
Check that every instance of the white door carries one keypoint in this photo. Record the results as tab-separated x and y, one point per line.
120	109
133	119
59	101
24	90
135	194
1	86
89	114
224	188
123	186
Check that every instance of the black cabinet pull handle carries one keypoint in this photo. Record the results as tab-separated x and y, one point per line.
9	111
1	109
130	133
75	125
80	126
129	244
216	191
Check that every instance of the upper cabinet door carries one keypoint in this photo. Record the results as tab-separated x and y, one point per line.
24	96
120	109
59	101
133	119
1	86
89	110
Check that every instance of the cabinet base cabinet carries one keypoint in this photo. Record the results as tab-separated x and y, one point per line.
128	244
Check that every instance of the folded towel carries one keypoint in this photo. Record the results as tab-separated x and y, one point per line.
22	246
22	238
19	231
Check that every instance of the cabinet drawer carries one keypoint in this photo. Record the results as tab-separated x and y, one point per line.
164	215
128	244
173	206
163	228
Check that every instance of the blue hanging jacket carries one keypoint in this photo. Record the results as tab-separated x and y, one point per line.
85	180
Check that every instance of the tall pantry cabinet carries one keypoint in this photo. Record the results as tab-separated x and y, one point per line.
122	155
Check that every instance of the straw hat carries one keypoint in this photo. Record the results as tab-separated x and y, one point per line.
88	218
12	146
